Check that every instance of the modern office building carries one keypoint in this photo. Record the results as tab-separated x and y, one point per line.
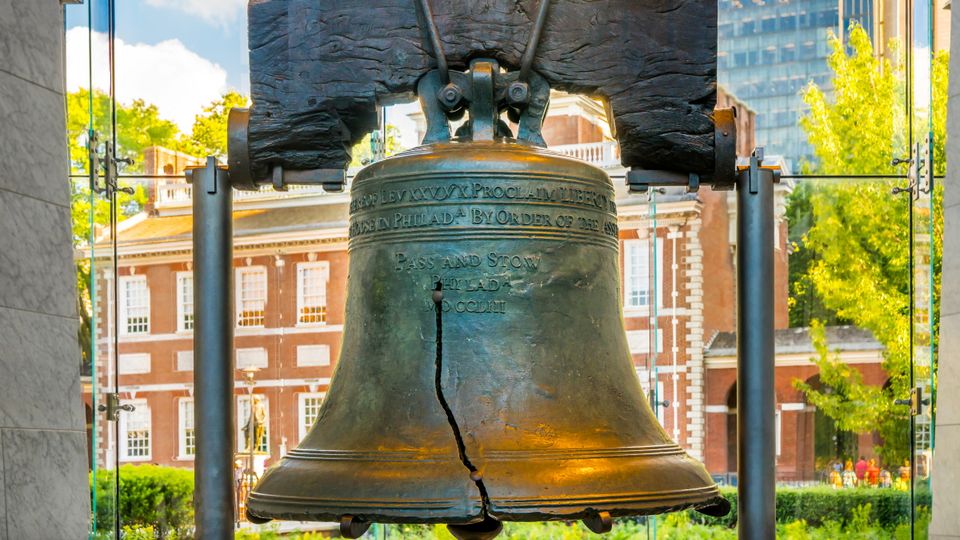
769	51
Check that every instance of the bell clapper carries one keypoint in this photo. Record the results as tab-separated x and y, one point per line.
351	527
484	530
600	523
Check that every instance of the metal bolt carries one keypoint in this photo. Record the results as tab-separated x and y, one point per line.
450	96
518	93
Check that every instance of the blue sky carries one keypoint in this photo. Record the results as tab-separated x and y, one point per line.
177	54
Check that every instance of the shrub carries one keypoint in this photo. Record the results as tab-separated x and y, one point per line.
818	505
151	497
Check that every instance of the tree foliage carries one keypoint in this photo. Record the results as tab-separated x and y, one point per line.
209	134
852	238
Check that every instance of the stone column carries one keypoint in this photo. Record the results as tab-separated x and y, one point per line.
946	460
43	470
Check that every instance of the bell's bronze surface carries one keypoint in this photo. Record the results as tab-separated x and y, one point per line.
484	370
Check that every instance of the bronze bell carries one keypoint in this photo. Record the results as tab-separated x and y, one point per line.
485	373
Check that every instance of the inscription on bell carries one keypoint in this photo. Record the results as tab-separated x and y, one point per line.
466	260
479	191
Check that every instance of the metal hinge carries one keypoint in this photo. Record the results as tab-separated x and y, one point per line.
113	407
109	162
916	401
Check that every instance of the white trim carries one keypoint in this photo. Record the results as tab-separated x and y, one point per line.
303	427
793	406
260	272
123	293
778	428
182	278
184	360
183	405
302	269
133	363
721	409
141	412
251	357
801	359
317	355
267	383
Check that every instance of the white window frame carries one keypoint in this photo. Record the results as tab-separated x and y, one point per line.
242	404
133	363
248	299
141	412
634	277
182	359
313	355
185	312
250	353
302	413
186	429
778	427
638	341
125	307
302	296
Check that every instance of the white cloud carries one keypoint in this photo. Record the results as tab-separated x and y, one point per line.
175	79
217	12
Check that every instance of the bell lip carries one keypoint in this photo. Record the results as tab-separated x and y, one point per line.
571	511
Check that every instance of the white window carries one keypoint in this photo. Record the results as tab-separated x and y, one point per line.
135	432
638	273
256	357
134	298
309	410
313	355
251	295
312	292
184	360
243	416
188	437
129	364
639	341
653	398
184	301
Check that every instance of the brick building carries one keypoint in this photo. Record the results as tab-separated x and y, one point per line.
679	291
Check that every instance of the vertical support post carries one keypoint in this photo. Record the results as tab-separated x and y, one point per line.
756	451
213	351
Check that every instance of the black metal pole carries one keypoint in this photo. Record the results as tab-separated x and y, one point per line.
213	351
756	451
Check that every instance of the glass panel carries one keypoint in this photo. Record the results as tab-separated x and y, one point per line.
928	94
89	128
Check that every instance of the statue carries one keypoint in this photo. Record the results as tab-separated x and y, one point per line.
257	417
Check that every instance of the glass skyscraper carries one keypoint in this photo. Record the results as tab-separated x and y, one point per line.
770	50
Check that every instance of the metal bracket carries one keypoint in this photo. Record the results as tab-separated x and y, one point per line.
641	180
525	102
109	162
241	175
112	407
916	401
724	176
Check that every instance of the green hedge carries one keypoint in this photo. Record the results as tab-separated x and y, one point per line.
817	505
150	496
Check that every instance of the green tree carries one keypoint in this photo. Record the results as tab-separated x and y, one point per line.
139	125
209	134
852	238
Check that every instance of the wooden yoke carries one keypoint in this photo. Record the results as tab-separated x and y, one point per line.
320	68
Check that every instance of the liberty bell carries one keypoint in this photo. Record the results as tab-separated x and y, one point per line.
484	374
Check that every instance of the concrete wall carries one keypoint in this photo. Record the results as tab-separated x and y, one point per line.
946	461
43	471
